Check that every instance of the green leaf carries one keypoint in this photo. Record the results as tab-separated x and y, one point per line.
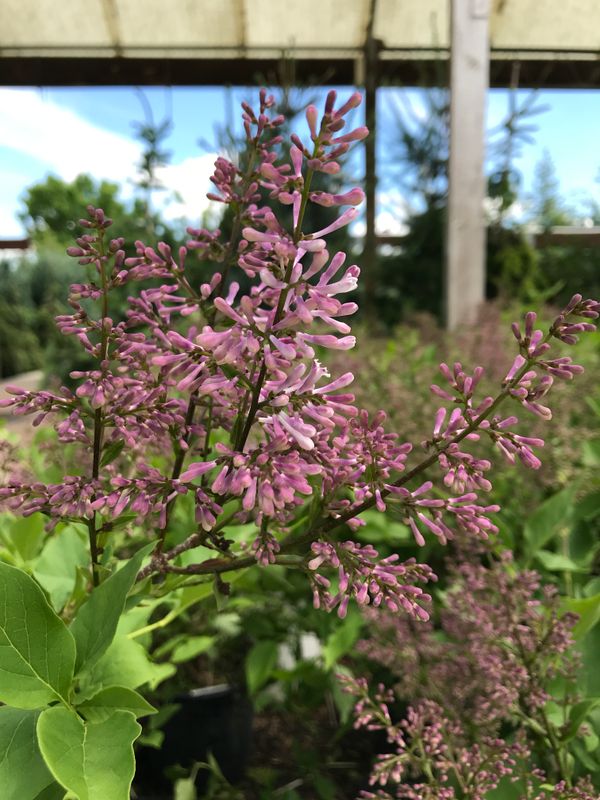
183	599
591	452
190	648
507	790
111	452
588	507
589	678
96	622
582	543
591	740
190	595
138	616
152	739
37	652
53	792
587	759
594	404
101	706
123	520
380	528
592	587
588	610
125	663
577	716
56	568
342	639
547	520
220	594
260	662
26	535
93	760
185	789
23	773
184	647
325	787
555	562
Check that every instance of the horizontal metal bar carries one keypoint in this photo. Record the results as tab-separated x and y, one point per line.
142	71
14	244
249	50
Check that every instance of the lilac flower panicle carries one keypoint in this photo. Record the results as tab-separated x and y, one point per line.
226	385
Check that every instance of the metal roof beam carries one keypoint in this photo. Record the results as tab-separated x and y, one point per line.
578	72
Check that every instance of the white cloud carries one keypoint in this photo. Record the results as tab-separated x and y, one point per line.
11	186
10	227
392	213
66	144
61	140
190	180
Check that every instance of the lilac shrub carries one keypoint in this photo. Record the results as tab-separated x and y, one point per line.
227	388
492	668
434	758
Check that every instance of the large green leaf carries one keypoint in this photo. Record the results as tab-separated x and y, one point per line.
96	622
93	760
56	568
548	519
101	706
125	663
37	652
23	773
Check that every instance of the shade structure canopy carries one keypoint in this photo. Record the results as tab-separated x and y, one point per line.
556	42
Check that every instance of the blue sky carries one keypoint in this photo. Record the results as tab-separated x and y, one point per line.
66	131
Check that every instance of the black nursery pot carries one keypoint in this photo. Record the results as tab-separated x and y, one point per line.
215	720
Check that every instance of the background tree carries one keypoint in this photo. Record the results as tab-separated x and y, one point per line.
546	203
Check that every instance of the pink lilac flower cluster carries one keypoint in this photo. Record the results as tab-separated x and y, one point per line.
368	578
431	754
435	757
583	790
504	642
226	385
487	673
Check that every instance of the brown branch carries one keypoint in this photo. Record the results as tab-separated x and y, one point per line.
98	413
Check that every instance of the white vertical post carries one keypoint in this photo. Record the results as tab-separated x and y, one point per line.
469	80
